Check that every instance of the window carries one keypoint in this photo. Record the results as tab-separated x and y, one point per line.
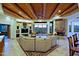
40	27
51	27
76	28
70	28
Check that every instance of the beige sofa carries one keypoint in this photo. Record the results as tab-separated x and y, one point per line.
37	44
43	45
27	43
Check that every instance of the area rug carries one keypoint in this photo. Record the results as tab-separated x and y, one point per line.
28	53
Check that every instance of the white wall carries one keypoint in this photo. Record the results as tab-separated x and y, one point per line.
13	28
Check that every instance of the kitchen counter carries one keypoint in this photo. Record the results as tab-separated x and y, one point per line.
1	38
1	43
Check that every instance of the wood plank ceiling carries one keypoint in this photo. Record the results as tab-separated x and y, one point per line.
38	10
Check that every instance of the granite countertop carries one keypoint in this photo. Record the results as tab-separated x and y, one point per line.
1	37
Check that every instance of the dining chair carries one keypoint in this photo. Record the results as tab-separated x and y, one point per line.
72	48
76	41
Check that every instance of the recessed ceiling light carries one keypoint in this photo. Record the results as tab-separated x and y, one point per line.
59	10
20	12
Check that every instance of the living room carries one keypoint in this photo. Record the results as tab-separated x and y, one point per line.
39	35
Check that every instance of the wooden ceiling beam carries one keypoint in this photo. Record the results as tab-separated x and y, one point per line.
26	9
23	10
67	8
12	11
44	10
38	9
74	7
50	7
32	10
55	11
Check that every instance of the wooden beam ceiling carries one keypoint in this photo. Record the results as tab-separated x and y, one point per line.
39	10
44	10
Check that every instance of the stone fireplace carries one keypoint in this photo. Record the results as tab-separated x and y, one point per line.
60	27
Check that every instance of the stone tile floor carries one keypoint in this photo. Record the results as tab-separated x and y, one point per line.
12	48
62	50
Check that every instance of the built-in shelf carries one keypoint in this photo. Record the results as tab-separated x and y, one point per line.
18	32
20	28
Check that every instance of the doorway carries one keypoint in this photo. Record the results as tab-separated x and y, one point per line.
5	30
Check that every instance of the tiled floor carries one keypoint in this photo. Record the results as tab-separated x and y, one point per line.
12	48
62	50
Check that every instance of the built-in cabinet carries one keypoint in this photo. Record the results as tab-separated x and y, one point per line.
27	29
17	31
23	29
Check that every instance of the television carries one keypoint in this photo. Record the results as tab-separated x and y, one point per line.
24	30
